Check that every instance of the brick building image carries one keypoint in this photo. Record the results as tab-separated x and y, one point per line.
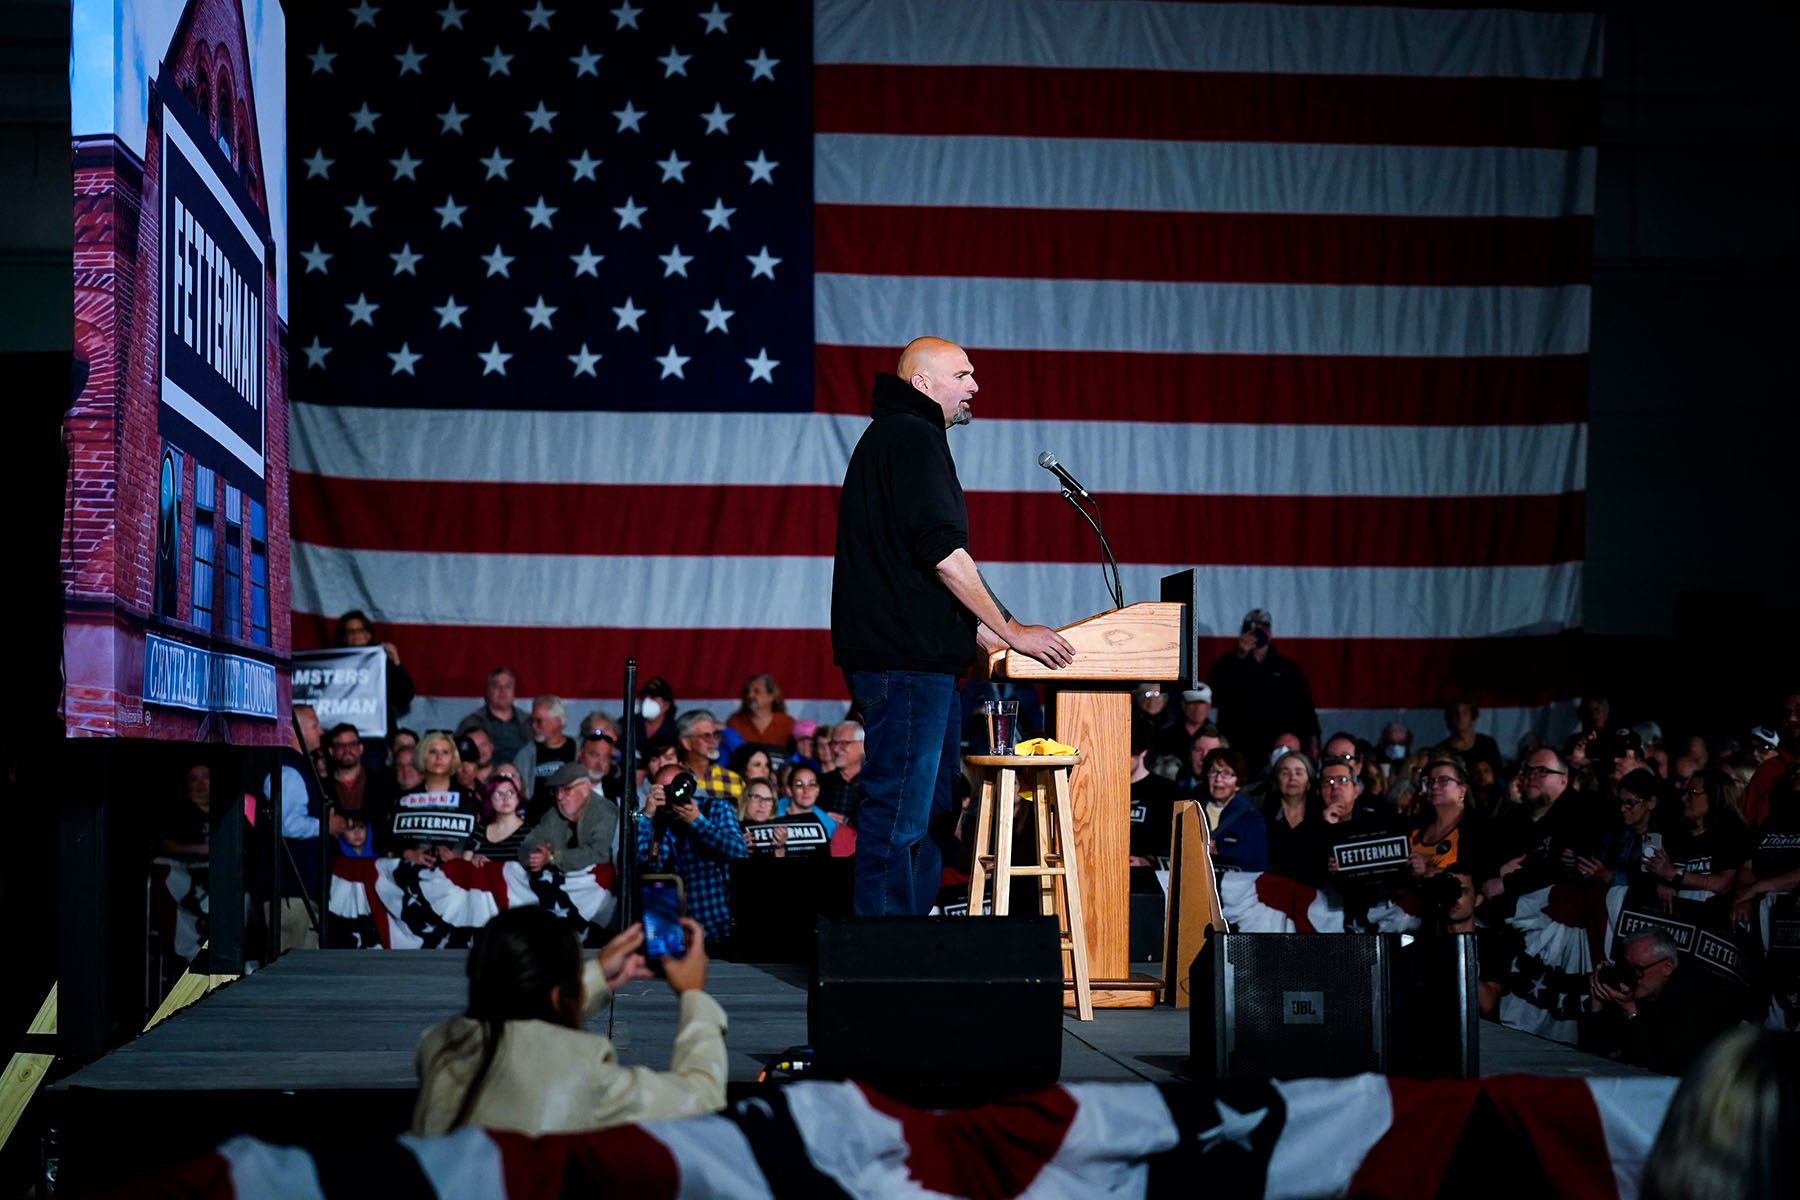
175	543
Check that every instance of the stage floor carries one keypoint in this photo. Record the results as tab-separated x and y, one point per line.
347	1020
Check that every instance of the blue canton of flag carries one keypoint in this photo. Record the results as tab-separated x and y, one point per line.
573	208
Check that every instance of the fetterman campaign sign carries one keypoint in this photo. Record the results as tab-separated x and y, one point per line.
345	684
214	301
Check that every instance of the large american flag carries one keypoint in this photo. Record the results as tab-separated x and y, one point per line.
588	300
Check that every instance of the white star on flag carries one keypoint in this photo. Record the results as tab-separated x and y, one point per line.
585	166
584	361
498	262
316	259
1234	1127
315	353
409	60
718	120
361	311
540	214
762	366
451	15
452	119
762	66
493	359
540	118
761	169
318	165
406	260
630	116
585	62
718	216
360	212
450	312
675	262
762	263
587	262
672	363
539	17
496	164
540	313
404	359
626	15
715	20
450	213
674	168
717	317
406	166
321	60
674	62
364	119
631	214
364	14
498	63
628	314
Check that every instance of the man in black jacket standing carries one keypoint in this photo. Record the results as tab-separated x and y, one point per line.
908	609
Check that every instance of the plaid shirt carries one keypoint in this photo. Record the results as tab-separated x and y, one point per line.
701	854
720	781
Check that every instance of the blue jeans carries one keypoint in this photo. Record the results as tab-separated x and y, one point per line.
910	758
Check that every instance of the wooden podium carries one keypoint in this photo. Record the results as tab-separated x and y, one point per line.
1090	702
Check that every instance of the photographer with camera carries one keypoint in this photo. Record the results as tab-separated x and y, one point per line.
1650	1010
519	1059
684	831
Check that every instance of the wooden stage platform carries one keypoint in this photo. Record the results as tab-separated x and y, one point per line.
323	1039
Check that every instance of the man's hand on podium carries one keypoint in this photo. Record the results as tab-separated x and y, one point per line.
1042	643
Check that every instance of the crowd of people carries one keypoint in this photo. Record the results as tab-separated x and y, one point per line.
1698	828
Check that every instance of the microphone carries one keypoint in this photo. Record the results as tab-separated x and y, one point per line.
1048	461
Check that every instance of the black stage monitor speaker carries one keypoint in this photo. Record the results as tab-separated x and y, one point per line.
939	1010
1291	1005
1286	1006
1437	1007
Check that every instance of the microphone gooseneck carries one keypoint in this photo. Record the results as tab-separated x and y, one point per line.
1071	488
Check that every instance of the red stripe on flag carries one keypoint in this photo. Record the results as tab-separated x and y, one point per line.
994	1150
362	873
999	101
537	518
1291	899
1029	243
1238	389
626	1160
453	660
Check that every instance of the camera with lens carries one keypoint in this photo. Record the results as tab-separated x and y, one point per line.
678	792
1438	894
1617	976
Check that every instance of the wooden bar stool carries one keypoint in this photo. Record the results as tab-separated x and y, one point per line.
1043	781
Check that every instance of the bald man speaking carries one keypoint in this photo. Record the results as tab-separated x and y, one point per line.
908	609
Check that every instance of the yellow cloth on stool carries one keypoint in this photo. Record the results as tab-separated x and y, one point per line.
1046	747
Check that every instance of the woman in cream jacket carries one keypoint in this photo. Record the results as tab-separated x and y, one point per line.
518	1059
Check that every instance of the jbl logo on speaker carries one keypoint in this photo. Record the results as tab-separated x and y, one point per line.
1303	1008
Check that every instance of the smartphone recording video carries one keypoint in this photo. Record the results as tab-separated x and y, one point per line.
664	904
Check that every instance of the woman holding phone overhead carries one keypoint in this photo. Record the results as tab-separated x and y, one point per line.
519	1059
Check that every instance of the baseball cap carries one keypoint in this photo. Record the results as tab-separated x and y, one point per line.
805	728
1619	742
658	686
1259	616
1195	695
572	772
1767	736
465	746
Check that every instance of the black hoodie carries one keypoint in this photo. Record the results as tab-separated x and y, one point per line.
901	513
